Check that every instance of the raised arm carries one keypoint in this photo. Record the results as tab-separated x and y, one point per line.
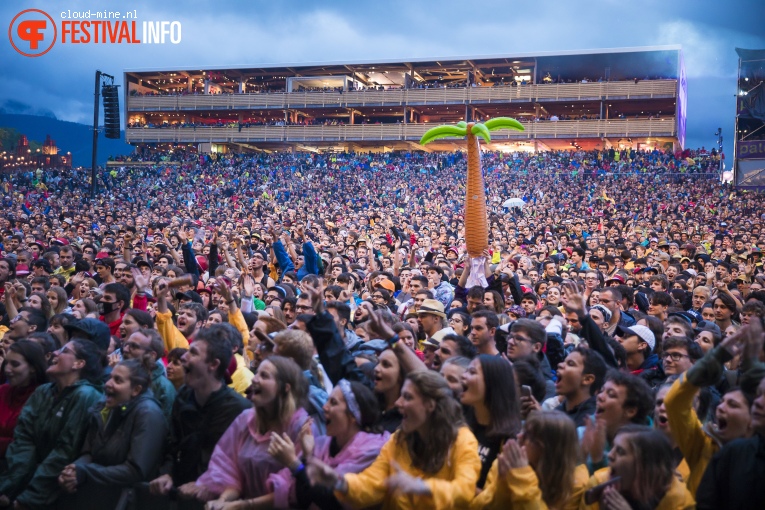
397	257
574	302
335	357
406	356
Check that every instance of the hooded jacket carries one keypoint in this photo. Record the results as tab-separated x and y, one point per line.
163	390
123	446
651	371
49	435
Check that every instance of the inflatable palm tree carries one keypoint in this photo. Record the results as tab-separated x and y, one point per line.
476	221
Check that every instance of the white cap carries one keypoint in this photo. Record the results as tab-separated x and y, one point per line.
641	332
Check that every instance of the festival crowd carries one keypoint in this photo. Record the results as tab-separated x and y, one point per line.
295	330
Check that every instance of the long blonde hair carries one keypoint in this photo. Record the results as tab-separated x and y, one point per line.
556	435
279	414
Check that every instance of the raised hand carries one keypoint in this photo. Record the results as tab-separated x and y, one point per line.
515	454
594	439
163	289
378	327
21	291
306	439
402	482
223	289
141	280
754	340
572	300
282	449
321	474
612	499
248	285
529	404
735	343
10	290
317	298
77	278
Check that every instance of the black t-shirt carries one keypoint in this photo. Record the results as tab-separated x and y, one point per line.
488	447
390	420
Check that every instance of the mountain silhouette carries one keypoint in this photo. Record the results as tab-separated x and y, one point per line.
69	136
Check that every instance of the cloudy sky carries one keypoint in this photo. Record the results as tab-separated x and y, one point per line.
238	32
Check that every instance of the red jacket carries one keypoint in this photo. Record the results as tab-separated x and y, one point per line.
12	400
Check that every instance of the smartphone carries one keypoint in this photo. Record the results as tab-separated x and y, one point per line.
526	391
593	495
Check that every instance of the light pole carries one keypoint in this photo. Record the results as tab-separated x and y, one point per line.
719	136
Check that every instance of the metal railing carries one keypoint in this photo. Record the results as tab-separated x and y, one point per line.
388	132
414	97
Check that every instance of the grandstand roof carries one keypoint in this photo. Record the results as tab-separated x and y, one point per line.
624	63
597	51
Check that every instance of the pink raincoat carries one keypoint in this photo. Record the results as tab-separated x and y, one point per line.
355	456
241	460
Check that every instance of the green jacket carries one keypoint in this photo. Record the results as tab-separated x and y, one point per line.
163	389
49	436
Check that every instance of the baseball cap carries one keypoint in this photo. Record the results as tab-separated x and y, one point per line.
616	278
641	332
711	327
387	285
189	296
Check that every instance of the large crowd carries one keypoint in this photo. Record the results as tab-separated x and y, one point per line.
295	330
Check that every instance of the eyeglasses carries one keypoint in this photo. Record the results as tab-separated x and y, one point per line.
134	346
19	318
377	296
66	350
518	338
303	308
674	356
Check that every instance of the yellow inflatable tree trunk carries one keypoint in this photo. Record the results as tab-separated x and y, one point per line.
476	219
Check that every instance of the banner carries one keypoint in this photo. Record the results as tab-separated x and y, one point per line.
750	150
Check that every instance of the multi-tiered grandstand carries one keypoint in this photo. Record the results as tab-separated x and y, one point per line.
632	97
